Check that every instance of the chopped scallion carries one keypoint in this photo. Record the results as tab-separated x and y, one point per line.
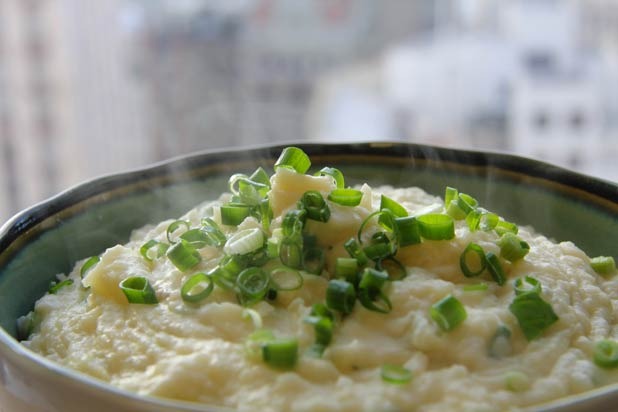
395	374
606	354
512	248
197	288
294	158
603	265
244	242
315	205
448	313
346	197
55	287
533	314
472	260
495	268
435	226
175	229
252	284
334	173
183	255
233	214
280	353
89	264
284	278
340	296
137	289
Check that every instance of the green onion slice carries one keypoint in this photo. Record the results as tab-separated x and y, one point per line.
527	284
198	238
197	288
395	269
473	220
323	327
466	202
137	289
454	211
183	255
472	260
233	214
294	222
502	227
314	260
435	226
495	268
291	253
395	374
222	279
335	174
147	250
448	313
321	310
488	221
255	317
370	292
244	242
89	264
533	314
340	296
215	236
280	353
354	250
346	267
252	284
603	265
380	247
285	279
386	219
315	205
606	354
450	194
255	341
512	248
500	343
260	176
408	231
173	229
293	158
392	205
55	287
346	197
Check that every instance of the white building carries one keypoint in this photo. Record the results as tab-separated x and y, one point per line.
521	83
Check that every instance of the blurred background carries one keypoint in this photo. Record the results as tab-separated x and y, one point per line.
89	87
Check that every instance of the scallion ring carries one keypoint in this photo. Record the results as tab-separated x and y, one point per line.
252	284
88	265
173	229
346	197
340	296
527	284
395	374
137	289
293	158
435	226
183	255
153	249
472	261
448	313
197	288
335	174
286	279
244	242
606	354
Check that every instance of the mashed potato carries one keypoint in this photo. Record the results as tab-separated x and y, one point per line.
199	351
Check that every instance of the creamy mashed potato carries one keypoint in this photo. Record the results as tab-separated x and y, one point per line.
197	351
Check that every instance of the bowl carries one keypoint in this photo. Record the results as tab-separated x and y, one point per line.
48	238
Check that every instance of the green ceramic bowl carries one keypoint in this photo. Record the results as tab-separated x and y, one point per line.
49	237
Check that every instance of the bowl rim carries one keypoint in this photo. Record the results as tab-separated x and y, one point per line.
605	192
